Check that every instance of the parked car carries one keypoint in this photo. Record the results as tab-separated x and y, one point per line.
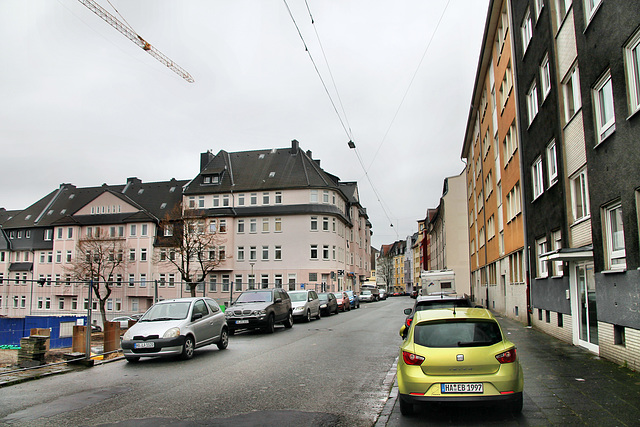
328	303
435	301
457	356
343	301
354	300
367	296
123	320
375	291
176	327
260	309
305	305
383	293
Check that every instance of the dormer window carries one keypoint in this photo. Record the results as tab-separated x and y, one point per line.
211	179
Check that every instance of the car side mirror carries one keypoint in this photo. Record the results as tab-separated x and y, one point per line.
196	316
403	331
278	300
407	311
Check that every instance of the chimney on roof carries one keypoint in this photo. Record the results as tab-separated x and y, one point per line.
205	158
295	146
134	180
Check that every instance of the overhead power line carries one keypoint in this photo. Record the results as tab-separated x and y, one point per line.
424	54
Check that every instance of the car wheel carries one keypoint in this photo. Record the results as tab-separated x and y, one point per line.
406	408
307	318
270	324
289	322
515	406
224	340
132	359
188	347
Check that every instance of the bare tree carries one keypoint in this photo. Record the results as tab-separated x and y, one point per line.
194	244
99	257
384	270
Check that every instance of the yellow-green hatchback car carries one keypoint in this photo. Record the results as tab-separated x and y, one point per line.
458	355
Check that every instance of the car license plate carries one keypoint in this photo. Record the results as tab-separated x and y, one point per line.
461	388
144	345
241	322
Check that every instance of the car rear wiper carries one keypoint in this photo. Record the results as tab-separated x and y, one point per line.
474	343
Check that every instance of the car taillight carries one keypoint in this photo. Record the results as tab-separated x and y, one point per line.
508	356
412	359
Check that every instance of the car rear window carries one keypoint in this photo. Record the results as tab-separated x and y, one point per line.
458	333
298	296
435	304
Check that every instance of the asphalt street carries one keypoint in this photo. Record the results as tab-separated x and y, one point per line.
337	371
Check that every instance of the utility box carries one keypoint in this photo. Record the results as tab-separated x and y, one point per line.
79	339
436	281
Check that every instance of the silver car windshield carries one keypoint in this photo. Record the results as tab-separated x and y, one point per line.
255	297
167	311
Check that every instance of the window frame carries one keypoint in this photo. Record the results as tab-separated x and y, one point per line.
600	104
526	31
614	253
580	181
632	72
532	102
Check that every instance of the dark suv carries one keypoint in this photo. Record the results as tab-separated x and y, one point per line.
260	309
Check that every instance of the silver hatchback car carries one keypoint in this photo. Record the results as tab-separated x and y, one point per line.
176	328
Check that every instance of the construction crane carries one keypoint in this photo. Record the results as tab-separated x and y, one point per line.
134	37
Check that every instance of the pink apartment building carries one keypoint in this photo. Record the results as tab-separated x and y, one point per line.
279	220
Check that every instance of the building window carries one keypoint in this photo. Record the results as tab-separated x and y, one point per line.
603	105
278	197
238	282
240	253
614	237
48	234
265	198
556	242
240	199
253	253
632	64
223	226
168	230
325	196
541	249
580	196
277	225
265	225
241	226
538	5
313	197
562	6
571	94
144	229
143	254
265	253
277	253
552	163
325	223
314	252
590	8
532	102
325	252
132	254
314	223
510	142
253	226
545	77
526	31
537	178
254	198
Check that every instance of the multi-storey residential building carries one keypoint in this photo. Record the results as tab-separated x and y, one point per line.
493	174
609	56
577	79
448	233
279	220
287	221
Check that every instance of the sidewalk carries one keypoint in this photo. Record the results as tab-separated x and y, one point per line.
563	384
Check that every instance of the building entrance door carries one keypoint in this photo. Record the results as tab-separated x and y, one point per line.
585	317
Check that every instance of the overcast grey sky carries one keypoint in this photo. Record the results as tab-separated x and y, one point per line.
81	104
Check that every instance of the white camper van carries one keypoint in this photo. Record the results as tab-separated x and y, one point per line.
437	281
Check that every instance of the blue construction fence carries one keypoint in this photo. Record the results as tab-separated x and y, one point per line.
12	329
